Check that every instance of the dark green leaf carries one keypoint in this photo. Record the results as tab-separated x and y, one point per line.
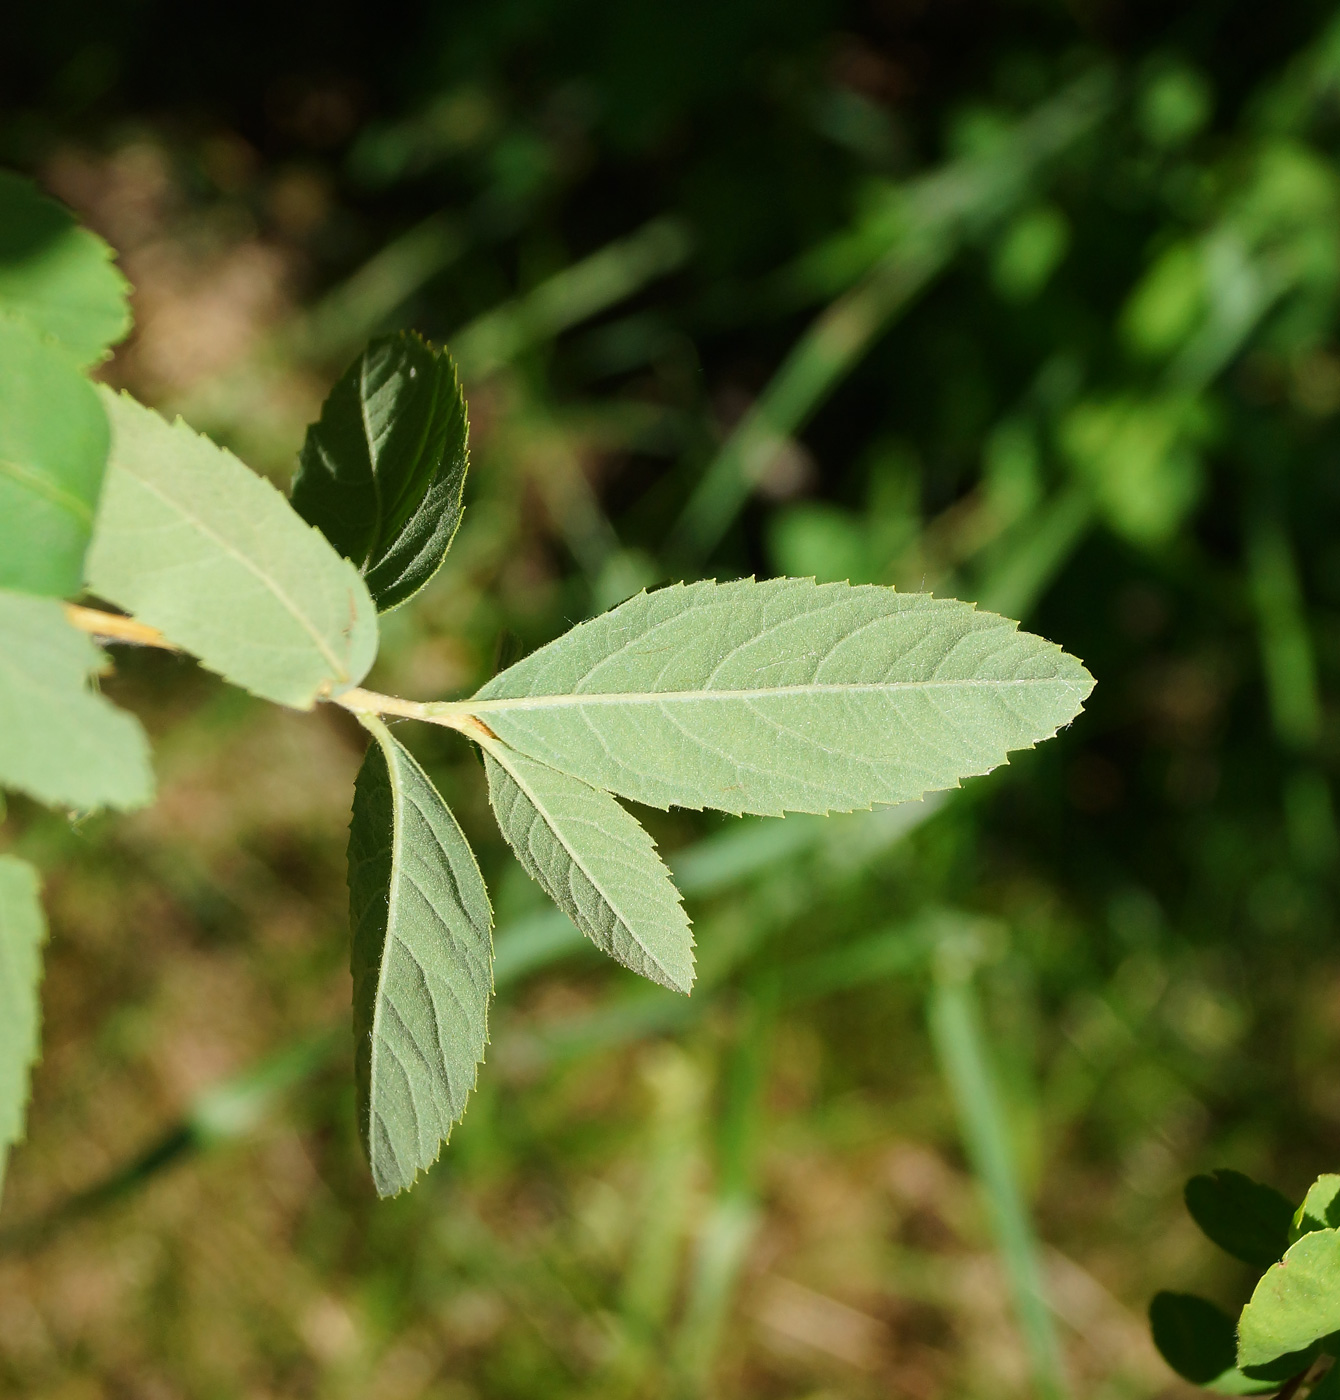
383	470
53	451
422	962
1250	1221
1197	1339
57	276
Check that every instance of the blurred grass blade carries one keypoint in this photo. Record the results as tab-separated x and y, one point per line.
926	236
956	1032
588	287
22	933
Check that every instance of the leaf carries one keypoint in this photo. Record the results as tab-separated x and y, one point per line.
22	933
193	543
596	862
382	472
60	741
1320	1209
1248	1220
782	696
1296	1303
1198	1341
57	276
53	449
422	962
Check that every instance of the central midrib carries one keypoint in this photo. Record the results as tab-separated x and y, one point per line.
659	697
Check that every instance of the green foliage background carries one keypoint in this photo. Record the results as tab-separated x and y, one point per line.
1074	273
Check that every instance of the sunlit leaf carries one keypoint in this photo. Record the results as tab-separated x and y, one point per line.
1295	1305
60	741
383	470
57	276
53	449
1248	1220
422	962
596	862
783	696
22	933
190	541
1320	1209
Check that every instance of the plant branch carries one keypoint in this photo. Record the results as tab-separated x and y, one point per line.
369	702
114	627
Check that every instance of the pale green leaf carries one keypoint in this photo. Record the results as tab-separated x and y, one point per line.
60	741
53	448
190	541
57	276
782	696
422	962
596	862
382	472
22	933
1320	1209
1295	1304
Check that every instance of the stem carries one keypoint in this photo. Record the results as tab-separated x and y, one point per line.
448	714
114	627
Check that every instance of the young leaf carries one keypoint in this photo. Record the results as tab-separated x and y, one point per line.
596	862
191	542
1295	1304
1320	1209
57	276
422	961
60	741
22	933
1248	1220
1198	1340
382	472
53	448
784	696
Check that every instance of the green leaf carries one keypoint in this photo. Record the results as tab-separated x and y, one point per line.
57	276
383	470
60	741
1320	1209
193	543
596	862
1295	1305
53	449
422	962
782	696
1198	1340
1248	1220
22	933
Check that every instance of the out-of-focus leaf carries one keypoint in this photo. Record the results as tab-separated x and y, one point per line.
53	449
422	962
193	543
784	696
60	741
1248	1220
1320	1209
596	862
383	470
58	276
1295	1305
1198	1340
22	933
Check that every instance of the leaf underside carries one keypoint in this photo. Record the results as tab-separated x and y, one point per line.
596	862
57	276
53	449
422	963
60	741
783	695
192	542
22	932
383	470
